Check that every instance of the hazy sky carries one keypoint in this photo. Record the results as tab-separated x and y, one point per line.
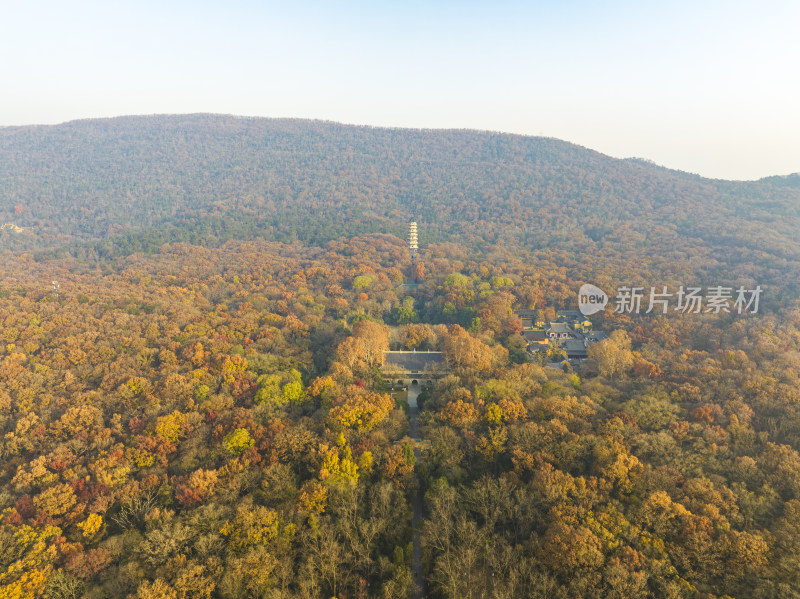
707	87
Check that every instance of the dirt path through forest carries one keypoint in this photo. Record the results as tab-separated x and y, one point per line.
416	552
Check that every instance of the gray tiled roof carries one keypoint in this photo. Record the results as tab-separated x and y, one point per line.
560	327
413	361
574	345
535	335
575	348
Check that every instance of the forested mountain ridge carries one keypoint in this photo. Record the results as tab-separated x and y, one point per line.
134	183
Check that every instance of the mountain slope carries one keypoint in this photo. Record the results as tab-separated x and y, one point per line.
206	178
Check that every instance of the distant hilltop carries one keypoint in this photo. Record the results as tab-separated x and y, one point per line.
792	180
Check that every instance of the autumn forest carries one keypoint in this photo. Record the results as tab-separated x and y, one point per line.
194	315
